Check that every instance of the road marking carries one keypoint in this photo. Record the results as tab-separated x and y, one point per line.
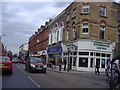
33	81
28	76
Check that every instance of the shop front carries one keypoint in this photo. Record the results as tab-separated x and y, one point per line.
54	52
85	54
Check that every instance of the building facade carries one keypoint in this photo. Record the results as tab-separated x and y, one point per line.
91	34
84	33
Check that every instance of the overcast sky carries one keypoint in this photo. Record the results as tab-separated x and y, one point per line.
21	19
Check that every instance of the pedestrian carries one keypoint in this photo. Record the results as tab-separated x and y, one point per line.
64	64
68	68
60	64
108	65
97	67
53	63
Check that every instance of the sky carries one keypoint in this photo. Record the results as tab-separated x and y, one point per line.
19	20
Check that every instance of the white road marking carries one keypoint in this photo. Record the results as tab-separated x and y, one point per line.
33	81
29	77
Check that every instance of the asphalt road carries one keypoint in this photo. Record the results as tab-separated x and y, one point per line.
22	79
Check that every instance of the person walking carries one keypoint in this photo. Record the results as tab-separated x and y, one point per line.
97	67
64	64
68	68
60	64
108	65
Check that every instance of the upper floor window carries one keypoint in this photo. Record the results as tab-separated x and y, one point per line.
57	35
74	12
85	8
85	28
102	11
68	17
118	15
73	33
102	32
67	35
118	34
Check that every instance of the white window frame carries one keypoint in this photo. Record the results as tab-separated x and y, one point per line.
67	35
102	28
83	27
85	8
102	11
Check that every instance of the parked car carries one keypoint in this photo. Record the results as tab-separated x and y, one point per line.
15	60
5	64
35	65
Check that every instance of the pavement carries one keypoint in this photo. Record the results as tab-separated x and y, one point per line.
73	71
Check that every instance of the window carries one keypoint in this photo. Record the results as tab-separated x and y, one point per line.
118	34
83	53
67	35
102	32
85	8
73	33
85	28
83	62
103	63
92	63
118	15
102	11
74	61
68	17
74	12
51	38
57	35
97	54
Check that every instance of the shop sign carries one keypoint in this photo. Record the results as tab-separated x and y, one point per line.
101	46
72	47
55	49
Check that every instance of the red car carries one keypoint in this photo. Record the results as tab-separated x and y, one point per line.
5	64
35	65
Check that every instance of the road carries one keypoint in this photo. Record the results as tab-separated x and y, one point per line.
22	79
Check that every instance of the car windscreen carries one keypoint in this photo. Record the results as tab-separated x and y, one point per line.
15	59
35	60
4	59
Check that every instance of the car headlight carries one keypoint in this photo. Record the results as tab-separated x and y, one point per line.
32	65
44	66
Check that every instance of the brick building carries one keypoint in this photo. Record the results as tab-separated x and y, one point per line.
84	33
91	33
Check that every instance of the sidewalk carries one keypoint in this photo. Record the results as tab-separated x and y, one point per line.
71	71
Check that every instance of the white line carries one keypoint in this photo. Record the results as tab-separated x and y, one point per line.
33	81
29	77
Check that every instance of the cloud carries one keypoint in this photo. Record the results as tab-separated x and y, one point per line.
21	19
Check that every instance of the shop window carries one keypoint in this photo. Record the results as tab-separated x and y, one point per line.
97	54
108	55
74	61
92	63
91	54
103	63
75	53
118	34
85	28
83	62
102	11
83	53
85	9
102	32
103	55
